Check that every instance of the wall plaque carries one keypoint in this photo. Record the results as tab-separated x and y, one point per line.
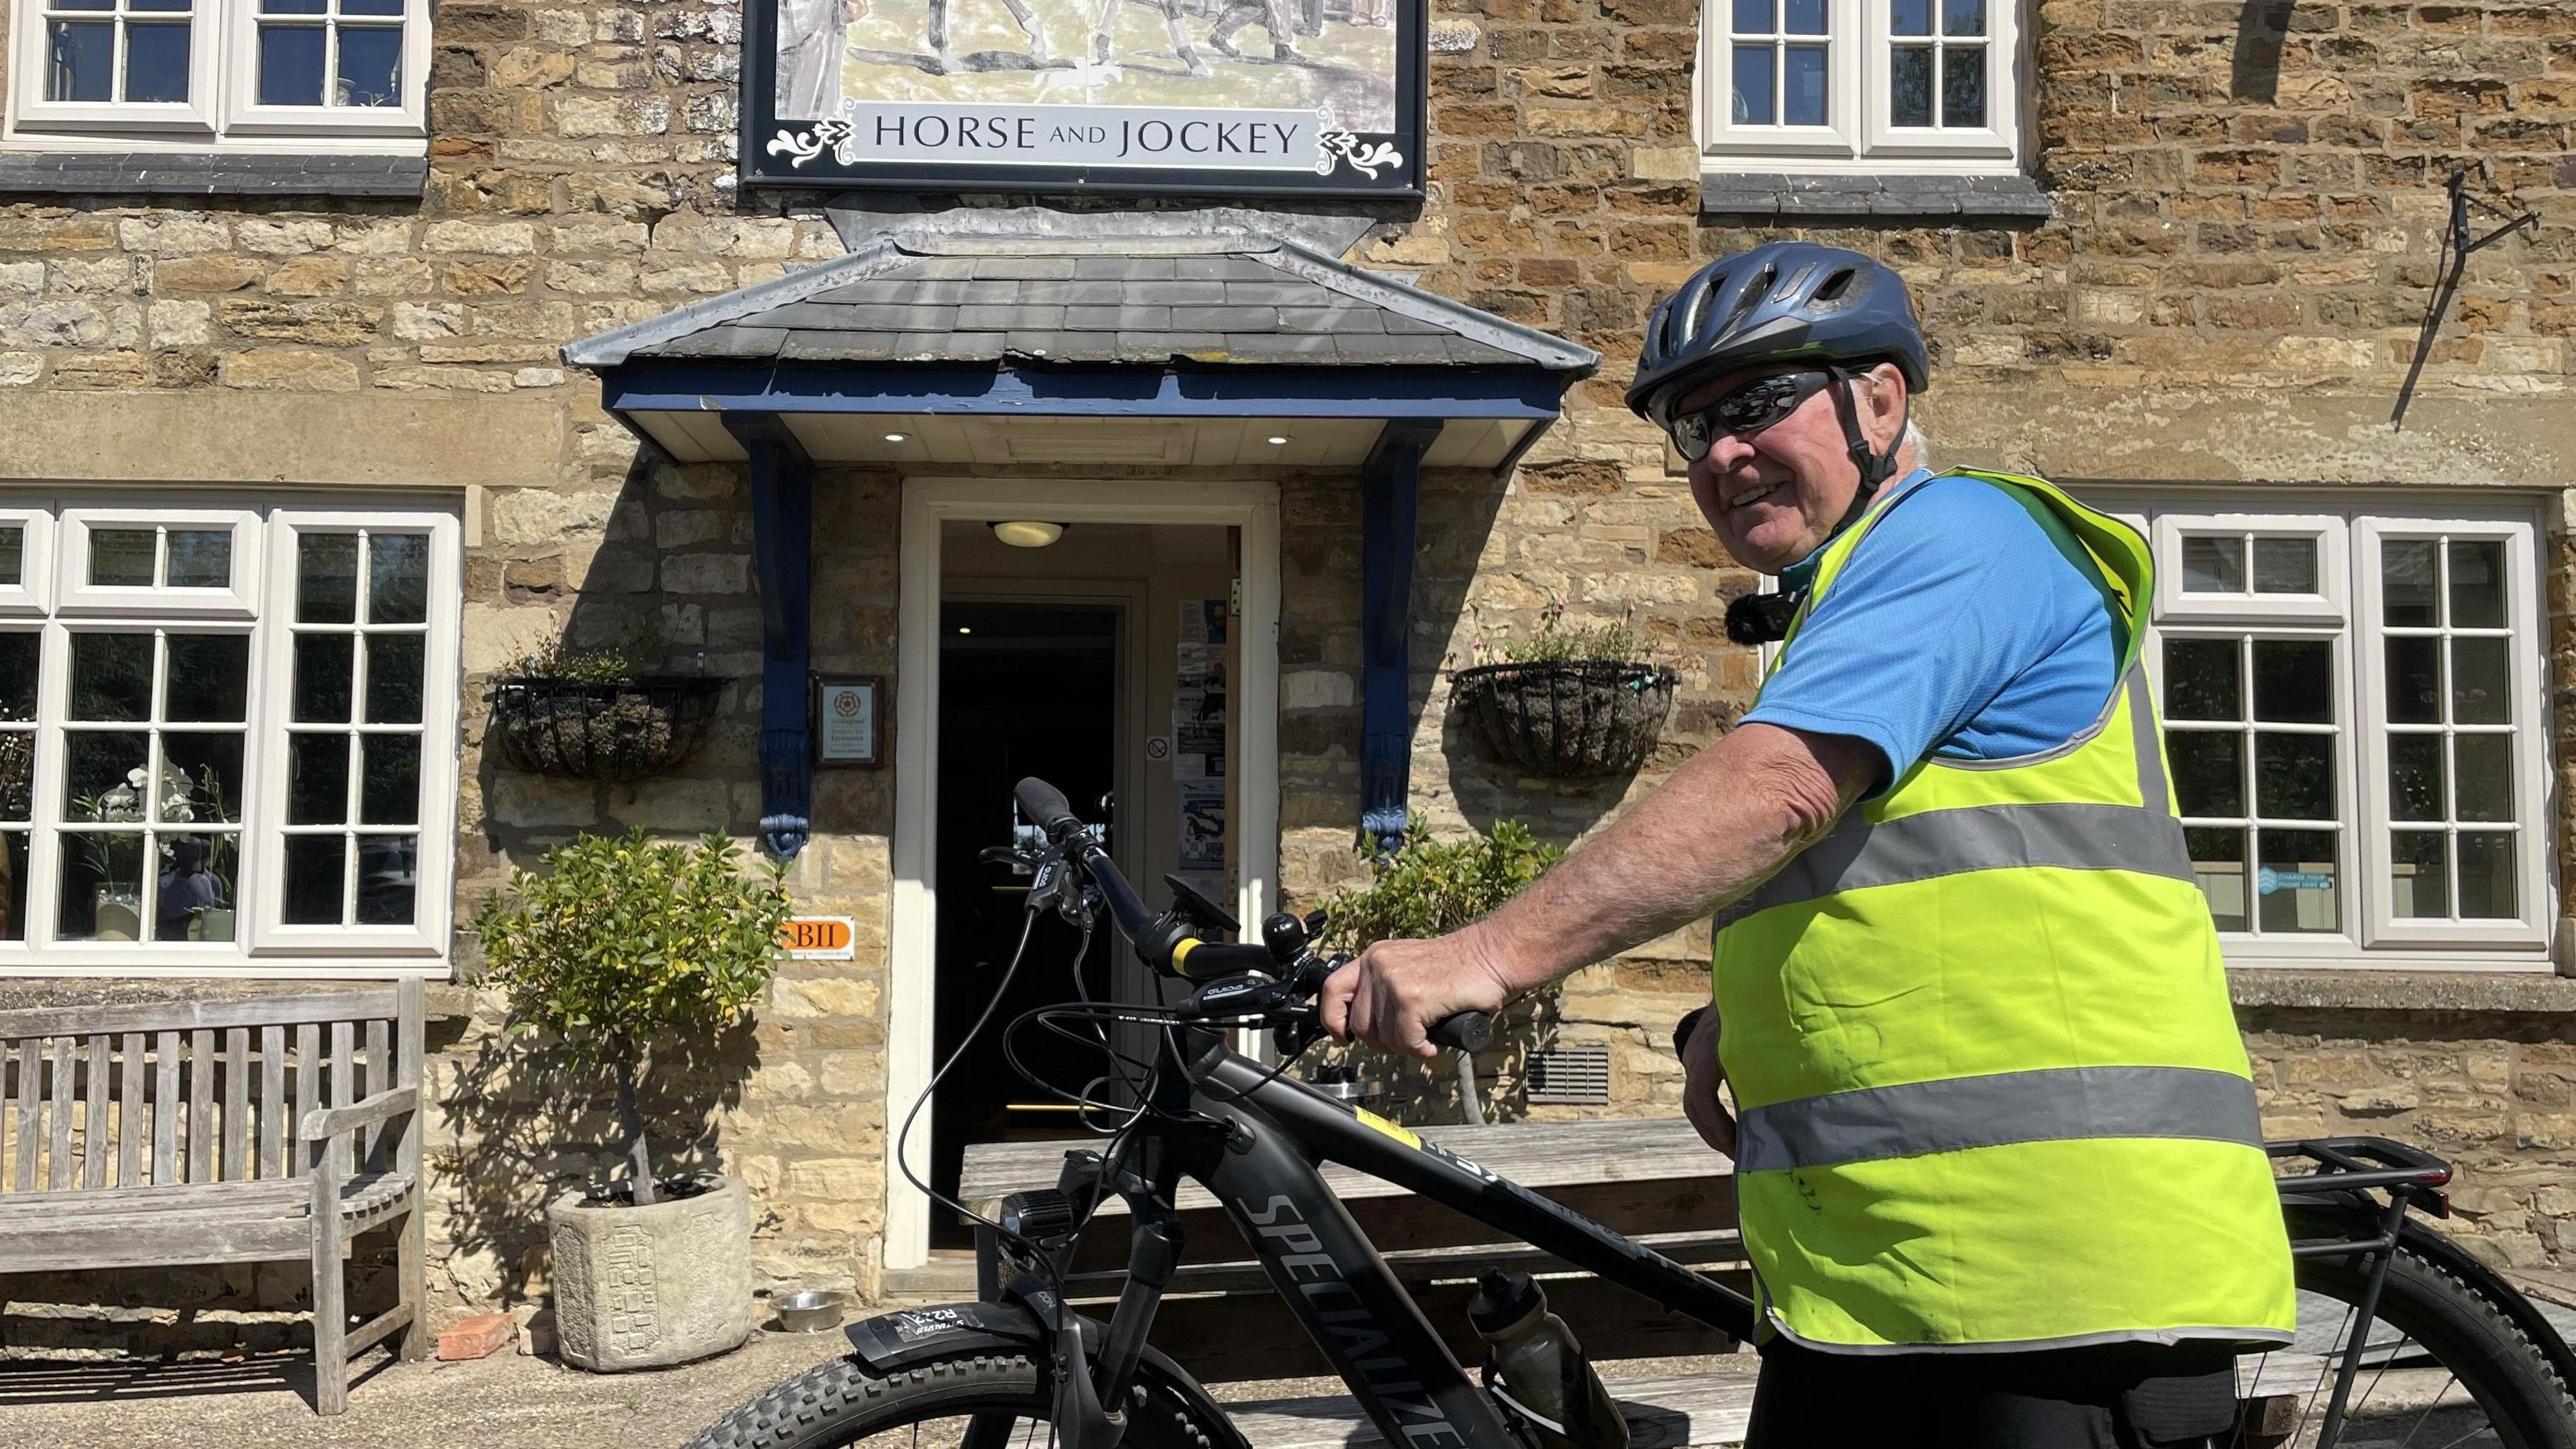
849	722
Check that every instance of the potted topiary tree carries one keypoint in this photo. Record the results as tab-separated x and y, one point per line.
618	943
1567	702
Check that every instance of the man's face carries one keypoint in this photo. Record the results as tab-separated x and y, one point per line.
1775	496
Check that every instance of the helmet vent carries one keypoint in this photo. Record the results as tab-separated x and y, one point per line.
1837	285
1751	297
1699	301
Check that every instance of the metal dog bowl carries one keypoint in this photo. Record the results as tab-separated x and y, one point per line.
811	1311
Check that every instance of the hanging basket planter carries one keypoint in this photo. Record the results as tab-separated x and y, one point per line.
1567	718
611	729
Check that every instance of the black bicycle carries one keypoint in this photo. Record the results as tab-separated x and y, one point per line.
2407	1342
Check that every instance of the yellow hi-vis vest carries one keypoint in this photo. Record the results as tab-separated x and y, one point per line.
1991	1093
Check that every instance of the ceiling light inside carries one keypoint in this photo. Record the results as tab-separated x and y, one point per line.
896	437
1278	442
1028	533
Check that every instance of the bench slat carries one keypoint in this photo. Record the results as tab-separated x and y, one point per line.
162	1016
94	1134
130	1126
272	1101
1697	1412
201	1105
308	1095
236	1103
58	1144
380	1077
365	1189
344	1079
31	1075
165	1108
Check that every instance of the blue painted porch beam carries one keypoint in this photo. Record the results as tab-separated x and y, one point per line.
1388	488
865	389
782	534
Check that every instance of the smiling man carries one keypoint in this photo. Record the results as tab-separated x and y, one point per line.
1998	1166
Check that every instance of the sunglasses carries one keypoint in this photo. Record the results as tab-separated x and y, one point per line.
1745	411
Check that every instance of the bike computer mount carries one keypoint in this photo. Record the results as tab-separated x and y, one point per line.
1197	909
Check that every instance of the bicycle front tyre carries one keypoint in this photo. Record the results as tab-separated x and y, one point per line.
932	1405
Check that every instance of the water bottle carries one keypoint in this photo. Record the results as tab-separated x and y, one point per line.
1541	1366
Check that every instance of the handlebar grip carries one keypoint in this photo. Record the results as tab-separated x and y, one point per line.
1221	958
1468	1031
1046	805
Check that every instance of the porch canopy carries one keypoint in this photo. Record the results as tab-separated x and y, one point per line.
1217	339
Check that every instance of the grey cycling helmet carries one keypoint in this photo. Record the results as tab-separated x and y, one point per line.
1781	302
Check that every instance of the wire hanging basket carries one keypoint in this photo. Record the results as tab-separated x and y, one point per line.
1566	718
610	729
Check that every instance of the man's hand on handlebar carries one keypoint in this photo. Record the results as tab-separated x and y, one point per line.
1396	991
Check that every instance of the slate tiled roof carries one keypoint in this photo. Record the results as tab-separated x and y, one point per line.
907	298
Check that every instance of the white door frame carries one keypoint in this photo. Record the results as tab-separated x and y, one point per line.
927	503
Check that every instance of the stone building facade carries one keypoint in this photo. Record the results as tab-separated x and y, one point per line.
2205	297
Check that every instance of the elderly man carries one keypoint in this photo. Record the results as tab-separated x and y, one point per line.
1998	1160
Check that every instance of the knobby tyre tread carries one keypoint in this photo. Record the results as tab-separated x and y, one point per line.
2495	1360
841	1402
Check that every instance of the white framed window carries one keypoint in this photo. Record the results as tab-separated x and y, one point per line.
1902	85
302	75
264	785
2355	717
26	560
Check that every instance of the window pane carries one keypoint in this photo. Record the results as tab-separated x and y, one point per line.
1803	87
2418	885
103	776
1963	17
324	666
371	7
1910	17
2485	777
2212	565
201	780
13	895
397	572
82	61
388	879
317	779
206	677
2479	675
2209	771
394	670
290	65
1806	17
111	676
82	5
389	789
2293	681
2285	566
2294	777
2218	859
2406	580
200	558
2297	881
314	865
2486	877
370	67
2414	681
1909	79
292	7
156	62
2201	680
1963	86
121	557
13	549
163	7
1753	105
18	654
1753	17
2415	777
2477	585
102	890
326	578
17	775
193	900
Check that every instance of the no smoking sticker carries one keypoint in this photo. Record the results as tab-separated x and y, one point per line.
1158	747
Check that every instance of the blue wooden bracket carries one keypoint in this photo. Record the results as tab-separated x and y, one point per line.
1387	496
782	534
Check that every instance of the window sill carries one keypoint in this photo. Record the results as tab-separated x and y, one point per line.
1782	194
163	173
2506	992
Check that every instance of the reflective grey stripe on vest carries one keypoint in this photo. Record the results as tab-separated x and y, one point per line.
2064	836
2050	1105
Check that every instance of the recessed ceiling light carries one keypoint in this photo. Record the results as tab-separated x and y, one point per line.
896	437
1028	532
1278	442
963	629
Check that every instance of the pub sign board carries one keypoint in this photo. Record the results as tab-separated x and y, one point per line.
1122	97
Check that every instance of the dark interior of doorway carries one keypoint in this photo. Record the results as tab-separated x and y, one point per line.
1024	689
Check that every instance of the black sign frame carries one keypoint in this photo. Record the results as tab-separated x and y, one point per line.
765	165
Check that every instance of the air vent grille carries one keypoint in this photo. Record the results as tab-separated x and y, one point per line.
1571	1076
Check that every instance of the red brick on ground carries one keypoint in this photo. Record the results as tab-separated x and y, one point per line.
482	1334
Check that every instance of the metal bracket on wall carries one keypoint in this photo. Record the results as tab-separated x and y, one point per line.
1387	496
2456	245
782	534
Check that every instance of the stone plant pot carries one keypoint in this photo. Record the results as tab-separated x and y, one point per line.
651	1287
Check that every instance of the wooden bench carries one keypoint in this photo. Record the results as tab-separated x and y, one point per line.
234	1131
1650	1178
